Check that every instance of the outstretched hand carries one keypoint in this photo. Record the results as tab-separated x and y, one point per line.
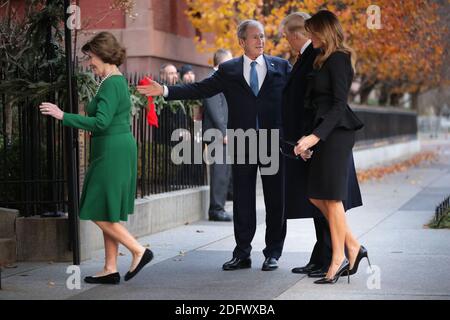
152	89
50	109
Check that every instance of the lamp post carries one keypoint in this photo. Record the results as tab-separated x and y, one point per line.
71	145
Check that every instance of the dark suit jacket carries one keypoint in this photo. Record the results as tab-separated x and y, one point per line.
328	95
294	115
215	113
243	106
297	121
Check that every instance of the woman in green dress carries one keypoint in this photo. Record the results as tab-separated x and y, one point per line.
110	183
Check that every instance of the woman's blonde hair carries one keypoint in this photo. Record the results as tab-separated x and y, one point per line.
326	27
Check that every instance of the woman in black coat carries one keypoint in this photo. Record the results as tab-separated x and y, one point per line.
332	138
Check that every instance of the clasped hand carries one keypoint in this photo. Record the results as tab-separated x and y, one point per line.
304	145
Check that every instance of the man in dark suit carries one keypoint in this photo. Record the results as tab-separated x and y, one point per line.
252	85
215	116
295	116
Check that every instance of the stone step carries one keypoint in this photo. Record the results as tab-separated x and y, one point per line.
8	251
43	239
8	222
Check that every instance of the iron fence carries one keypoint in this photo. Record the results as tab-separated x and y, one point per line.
33	164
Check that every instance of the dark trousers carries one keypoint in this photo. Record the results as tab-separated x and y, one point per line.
220	179
244	210
322	251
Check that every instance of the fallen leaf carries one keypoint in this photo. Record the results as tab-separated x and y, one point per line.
377	173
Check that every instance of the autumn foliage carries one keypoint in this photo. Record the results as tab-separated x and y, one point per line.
405	55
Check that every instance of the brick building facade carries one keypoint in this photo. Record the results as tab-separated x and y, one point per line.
160	33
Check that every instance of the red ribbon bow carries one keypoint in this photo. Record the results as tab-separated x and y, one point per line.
152	118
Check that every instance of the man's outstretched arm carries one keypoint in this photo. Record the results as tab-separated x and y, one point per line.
192	91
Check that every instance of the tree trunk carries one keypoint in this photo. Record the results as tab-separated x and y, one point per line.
395	99
415	100
384	95
365	93
8	122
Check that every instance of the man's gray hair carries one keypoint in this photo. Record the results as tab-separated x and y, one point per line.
220	55
165	65
301	16
242	28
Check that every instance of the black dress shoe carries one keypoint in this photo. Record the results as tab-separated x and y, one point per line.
146	258
237	263
343	269
270	264
220	216
310	267
112	278
320	273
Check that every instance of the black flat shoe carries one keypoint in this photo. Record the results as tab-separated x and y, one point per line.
237	263
345	265
146	258
112	278
310	267
362	253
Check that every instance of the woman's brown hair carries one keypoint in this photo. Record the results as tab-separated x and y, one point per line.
326	27
106	47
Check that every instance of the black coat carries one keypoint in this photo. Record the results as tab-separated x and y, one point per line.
297	122
327	96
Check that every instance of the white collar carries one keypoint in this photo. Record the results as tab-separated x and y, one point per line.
305	46
260	60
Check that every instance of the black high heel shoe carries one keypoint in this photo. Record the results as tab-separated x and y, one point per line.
362	253
343	269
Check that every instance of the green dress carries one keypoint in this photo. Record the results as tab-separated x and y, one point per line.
109	187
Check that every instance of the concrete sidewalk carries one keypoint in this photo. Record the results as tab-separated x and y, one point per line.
409	260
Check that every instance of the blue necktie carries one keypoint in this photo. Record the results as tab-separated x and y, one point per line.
254	78
254	85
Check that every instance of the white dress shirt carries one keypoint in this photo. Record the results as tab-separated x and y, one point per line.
305	46
261	69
